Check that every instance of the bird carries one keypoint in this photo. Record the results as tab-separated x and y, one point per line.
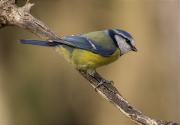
88	51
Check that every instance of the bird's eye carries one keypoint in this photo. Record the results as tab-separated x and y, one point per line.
128	41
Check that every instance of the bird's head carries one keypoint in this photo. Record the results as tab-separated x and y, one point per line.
123	40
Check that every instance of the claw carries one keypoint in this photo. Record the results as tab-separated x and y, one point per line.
102	82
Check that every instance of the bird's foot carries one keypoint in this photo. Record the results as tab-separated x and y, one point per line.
102	82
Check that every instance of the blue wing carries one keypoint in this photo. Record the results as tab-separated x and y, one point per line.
37	42
88	44
74	41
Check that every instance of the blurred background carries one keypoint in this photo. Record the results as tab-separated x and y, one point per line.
40	87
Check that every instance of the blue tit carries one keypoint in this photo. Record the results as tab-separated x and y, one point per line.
88	51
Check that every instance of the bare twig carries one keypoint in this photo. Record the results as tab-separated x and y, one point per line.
10	14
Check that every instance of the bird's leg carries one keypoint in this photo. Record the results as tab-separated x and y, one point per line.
91	71
102	82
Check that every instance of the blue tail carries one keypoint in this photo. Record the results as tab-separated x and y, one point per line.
38	42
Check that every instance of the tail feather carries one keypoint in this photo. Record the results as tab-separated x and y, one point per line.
37	42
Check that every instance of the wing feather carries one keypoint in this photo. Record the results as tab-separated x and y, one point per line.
74	41
87	44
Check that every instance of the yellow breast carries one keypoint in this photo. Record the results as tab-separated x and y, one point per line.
83	59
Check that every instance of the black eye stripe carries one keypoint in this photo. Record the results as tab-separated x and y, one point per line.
128	42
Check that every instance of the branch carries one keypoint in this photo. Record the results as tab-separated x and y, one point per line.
10	15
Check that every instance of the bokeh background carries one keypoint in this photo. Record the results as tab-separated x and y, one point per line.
40	87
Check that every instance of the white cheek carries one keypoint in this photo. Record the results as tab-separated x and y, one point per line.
123	46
